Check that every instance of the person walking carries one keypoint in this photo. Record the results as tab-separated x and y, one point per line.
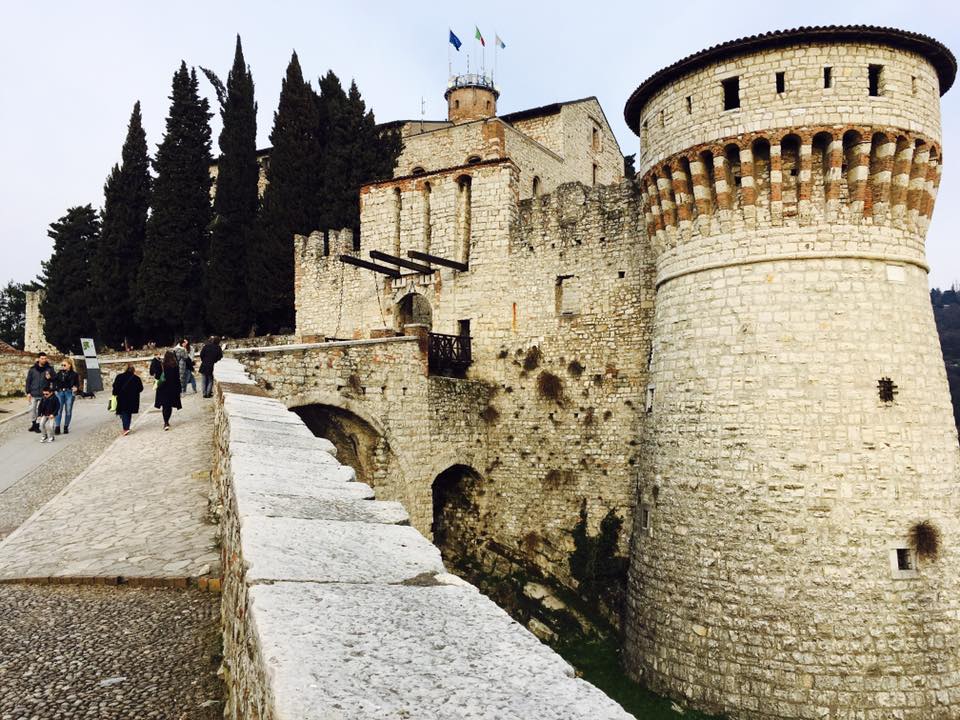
66	384
39	376
127	386
210	355
189	379
182	355
46	411
156	367
168	389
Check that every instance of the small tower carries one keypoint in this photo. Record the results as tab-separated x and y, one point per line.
471	97
797	544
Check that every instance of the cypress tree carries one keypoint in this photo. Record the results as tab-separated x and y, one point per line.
291	201
13	310
120	249
170	296
66	302
235	204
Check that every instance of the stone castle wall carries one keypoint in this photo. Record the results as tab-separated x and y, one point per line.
558	288
34	341
778	484
334	606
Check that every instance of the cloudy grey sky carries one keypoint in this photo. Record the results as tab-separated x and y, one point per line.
70	73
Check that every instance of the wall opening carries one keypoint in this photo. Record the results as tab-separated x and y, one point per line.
595	139
689	105
875	80
456	514
594	175
706	159
427	231
536	186
397	210
820	168
473	160
418	171
358	444
761	176
568	295
464	212
688	187
827	78
851	161
413	309
731	93
781	79
790	164
734	177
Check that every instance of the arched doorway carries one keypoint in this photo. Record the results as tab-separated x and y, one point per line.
413	309
456	513
358	444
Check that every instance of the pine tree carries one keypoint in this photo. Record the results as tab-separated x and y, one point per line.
291	201
66	302
120	250
170	297
235	204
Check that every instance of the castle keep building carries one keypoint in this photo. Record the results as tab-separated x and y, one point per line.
724	374
801	428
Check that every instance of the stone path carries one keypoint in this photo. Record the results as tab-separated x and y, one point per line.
108	653
137	512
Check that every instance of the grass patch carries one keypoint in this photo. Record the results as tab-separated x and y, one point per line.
598	659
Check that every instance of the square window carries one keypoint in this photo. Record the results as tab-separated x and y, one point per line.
887	389
903	563
731	93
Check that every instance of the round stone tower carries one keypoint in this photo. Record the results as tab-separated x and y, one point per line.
796	552
471	97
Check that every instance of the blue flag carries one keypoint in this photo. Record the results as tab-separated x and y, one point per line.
455	41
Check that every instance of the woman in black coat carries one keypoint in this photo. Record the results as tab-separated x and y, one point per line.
168	390
127	386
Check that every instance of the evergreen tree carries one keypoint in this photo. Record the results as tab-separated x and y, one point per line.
291	201
120	250
66	303
235	204
13	310
170	284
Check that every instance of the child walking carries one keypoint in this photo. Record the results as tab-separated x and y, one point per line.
46	412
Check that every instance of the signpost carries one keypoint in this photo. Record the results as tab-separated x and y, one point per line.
94	379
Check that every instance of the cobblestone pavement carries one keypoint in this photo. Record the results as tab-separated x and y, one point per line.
19	501
108	653
138	511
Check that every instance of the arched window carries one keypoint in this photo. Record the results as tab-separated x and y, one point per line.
473	160
417	171
536	186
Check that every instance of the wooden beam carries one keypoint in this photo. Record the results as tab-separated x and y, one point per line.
350	260
425	269
417	255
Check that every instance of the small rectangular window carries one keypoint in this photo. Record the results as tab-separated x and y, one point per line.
903	563
731	93
913	85
875	78
595	139
645	518
568	295
663	119
651	390
781	82
827	78
595	169
689	104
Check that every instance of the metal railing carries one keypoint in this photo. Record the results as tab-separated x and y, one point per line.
448	353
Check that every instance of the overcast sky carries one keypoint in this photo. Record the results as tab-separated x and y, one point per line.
70	73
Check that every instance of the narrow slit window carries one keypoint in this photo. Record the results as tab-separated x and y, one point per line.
827	78
651	391
781	82
595	169
913	85
663	119
731	93
875	80
689	104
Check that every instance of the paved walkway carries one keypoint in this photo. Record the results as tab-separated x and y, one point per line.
137	512
21	452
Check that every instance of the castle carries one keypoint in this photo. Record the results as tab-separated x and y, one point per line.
725	373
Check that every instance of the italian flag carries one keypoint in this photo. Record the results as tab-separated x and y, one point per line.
480	37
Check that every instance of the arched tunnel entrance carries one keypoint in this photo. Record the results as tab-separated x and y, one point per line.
358	444
456	514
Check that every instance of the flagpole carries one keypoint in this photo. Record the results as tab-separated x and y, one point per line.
495	44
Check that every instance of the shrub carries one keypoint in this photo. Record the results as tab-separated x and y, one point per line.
550	387
575	368
925	539
490	414
531	360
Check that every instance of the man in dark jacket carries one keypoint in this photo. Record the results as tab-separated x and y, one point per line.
210	355
39	376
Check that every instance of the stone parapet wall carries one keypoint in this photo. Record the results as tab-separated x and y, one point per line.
333	605
13	373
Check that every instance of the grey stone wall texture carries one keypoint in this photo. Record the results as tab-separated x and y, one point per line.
734	354
776	483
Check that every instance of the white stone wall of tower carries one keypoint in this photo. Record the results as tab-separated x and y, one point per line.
805	103
776	480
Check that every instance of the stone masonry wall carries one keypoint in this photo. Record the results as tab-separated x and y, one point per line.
33	338
559	293
333	606
800	439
